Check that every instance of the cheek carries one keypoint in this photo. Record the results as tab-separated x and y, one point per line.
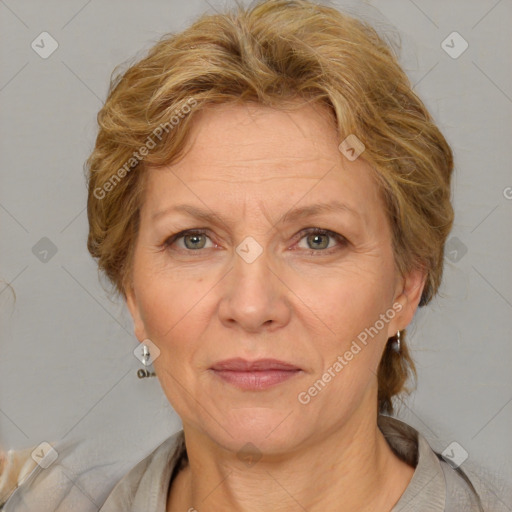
350	352
351	335
169	310
167	300
344	302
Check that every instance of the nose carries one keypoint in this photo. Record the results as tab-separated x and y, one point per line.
254	295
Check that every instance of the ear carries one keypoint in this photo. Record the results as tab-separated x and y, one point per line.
408	292
133	307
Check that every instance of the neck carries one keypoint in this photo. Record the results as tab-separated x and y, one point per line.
352	466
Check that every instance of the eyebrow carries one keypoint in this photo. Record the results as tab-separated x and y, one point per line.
290	216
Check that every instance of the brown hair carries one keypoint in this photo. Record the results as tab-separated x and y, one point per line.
273	52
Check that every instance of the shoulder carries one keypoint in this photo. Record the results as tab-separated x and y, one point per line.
85	476
145	486
437	485
475	488
15	466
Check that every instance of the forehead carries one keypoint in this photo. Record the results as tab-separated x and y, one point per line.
242	153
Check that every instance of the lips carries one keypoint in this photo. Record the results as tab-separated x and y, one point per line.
254	375
241	365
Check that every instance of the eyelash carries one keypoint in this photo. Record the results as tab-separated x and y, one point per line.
303	233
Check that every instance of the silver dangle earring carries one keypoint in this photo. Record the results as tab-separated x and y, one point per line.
145	358
395	344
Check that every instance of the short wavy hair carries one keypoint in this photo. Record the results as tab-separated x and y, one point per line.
270	53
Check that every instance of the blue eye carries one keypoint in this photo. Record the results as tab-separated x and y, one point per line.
192	239
317	239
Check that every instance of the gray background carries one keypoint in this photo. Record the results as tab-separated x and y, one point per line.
66	366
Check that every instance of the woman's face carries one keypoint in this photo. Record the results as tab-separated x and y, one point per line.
258	283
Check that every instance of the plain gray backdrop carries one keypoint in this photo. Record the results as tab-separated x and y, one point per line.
67	368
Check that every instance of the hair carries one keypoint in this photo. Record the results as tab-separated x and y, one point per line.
273	53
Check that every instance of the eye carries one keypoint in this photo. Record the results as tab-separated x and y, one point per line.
317	240
192	240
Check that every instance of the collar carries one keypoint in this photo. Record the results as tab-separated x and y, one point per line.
427	489
145	487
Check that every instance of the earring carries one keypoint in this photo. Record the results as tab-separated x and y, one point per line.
146	356
146	361
395	344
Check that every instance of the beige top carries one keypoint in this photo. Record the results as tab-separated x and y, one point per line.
435	486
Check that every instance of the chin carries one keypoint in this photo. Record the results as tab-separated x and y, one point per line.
271	431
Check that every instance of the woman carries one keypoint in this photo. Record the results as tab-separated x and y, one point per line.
272	200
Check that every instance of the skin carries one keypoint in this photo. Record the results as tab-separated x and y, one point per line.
303	300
